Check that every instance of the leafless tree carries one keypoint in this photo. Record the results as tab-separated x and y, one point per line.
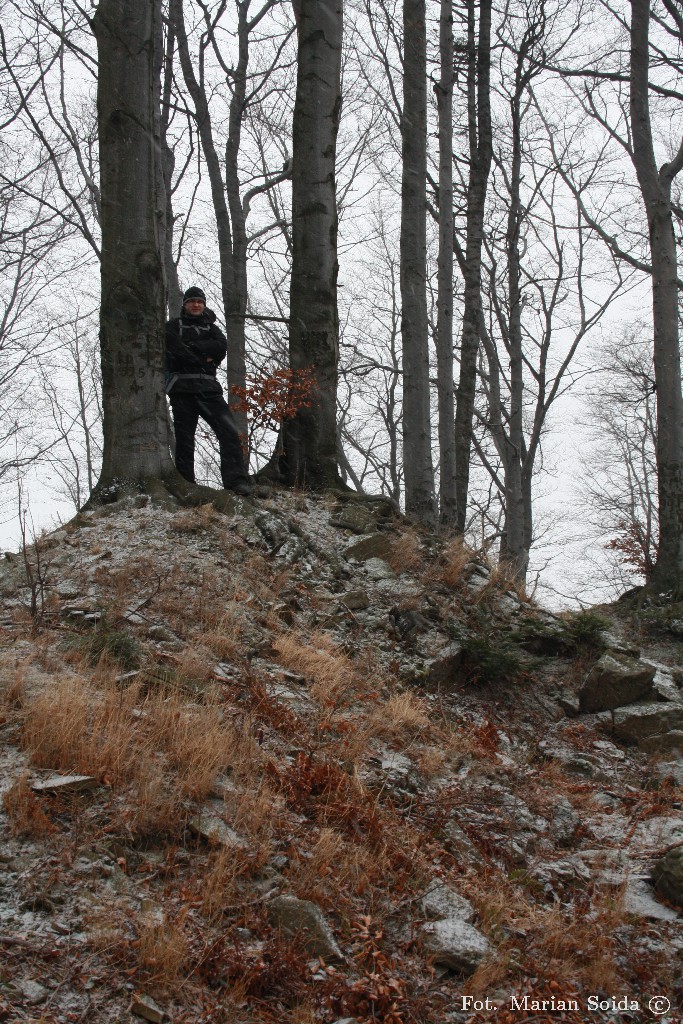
620	499
417	440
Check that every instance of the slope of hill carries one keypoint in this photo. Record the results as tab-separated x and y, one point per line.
304	763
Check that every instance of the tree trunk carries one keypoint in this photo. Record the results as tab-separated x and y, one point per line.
444	327
514	551
236	302
174	293
417	441
309	455
655	186
234	327
133	304
480	148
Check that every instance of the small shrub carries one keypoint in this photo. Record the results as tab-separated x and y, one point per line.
488	659
586	631
114	646
661	619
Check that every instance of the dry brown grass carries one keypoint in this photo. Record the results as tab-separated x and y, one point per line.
195	520
400	720
165	751
402	716
24	811
229	636
319	659
454	560
163	948
12	684
407	553
562	943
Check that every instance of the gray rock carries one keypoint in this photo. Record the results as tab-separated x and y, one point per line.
376	545
32	991
356	600
455	944
668	876
664	686
358	518
639	722
614	681
65	784
440	903
618	645
569	870
209	825
161	633
565	823
441	669
145	1007
665	743
294	916
639	901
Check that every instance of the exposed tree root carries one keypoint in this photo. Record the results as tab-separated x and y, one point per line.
170	491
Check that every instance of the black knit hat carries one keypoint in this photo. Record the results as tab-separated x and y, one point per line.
194	293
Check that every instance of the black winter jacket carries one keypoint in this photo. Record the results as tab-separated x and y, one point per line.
191	341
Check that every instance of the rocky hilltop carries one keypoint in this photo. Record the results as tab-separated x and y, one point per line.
301	762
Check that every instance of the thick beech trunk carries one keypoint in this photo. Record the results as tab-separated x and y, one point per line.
132	318
655	186
309	441
480	151
444	325
514	549
173	290
417	441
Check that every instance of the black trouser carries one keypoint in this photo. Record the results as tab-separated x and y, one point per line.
215	411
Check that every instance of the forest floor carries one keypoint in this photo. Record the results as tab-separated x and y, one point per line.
327	768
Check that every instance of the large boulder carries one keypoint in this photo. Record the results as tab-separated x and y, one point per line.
375	545
668	876
614	681
441	669
359	518
440	903
641	724
663	743
301	917
455	944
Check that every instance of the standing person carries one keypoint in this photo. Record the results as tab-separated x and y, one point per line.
195	347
